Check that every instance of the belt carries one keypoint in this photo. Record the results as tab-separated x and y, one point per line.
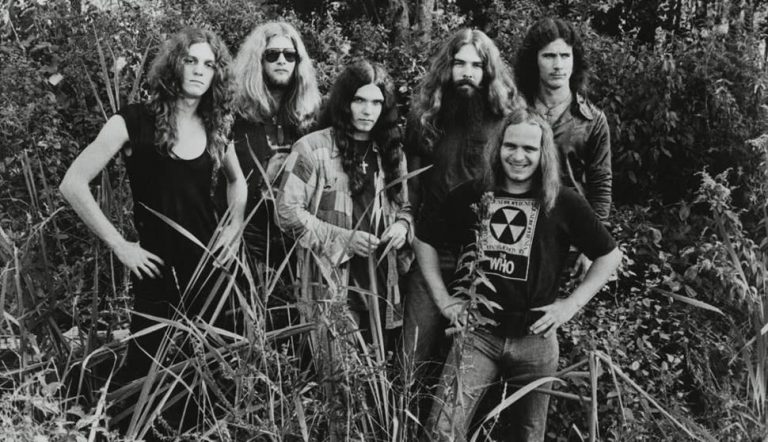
515	324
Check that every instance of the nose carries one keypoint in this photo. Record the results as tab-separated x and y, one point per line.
558	63
518	155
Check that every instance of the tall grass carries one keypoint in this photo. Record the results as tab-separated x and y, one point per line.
65	309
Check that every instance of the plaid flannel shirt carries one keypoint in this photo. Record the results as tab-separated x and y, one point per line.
314	205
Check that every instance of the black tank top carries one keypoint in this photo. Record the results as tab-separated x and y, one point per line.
177	188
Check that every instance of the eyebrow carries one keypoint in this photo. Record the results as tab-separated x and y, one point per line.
358	97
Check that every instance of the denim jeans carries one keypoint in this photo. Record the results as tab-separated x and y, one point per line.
424	341
484	359
423	324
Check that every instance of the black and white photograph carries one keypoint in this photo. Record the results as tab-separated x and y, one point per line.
383	220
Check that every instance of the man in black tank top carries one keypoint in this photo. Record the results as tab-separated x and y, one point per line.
172	145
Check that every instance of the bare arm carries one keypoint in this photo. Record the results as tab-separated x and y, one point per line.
562	310
429	263
74	188
237	194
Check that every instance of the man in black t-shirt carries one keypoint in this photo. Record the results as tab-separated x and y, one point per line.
275	102
512	229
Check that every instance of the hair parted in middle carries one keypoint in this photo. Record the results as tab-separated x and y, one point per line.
540	34
546	180
497	84
252	97
165	84
386	133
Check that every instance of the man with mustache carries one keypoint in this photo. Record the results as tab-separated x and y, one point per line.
513	229
551	73
460	101
276	99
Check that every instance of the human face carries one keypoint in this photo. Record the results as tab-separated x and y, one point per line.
199	67
520	156
366	108
555	62
467	70
279	72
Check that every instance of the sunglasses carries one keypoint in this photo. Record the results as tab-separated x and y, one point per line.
271	55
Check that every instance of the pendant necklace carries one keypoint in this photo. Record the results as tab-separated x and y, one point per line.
363	163
552	113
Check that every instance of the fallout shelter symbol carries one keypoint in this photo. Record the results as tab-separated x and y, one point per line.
508	224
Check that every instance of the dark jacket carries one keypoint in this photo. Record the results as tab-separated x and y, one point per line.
584	142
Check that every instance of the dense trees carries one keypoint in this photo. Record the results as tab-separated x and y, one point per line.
683	84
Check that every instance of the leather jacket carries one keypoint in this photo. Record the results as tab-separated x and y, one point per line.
583	139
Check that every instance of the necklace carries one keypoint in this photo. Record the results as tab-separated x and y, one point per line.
363	163
553	112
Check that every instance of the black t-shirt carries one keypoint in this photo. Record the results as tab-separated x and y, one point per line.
258	141
361	201
525	247
176	188
458	156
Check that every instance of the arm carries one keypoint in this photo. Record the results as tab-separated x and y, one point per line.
563	309
237	194
429	263
74	188
598	186
298	188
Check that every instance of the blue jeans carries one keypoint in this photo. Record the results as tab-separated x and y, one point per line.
484	359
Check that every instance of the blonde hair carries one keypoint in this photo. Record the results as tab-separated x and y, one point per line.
546	178
252	98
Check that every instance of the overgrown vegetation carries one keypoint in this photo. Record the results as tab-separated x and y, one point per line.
682	329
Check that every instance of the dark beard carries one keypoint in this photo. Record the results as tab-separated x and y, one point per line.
461	109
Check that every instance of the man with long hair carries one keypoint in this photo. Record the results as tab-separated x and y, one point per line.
513	228
340	196
172	144
343	198
275	99
551	72
461	100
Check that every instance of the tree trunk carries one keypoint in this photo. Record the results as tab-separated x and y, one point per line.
399	19
424	19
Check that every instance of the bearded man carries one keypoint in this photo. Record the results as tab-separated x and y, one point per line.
461	100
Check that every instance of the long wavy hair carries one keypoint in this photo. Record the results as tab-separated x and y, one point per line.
540	34
498	83
165	84
546	180
385	133
252	98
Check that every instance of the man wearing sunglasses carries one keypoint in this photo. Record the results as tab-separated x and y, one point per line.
276	98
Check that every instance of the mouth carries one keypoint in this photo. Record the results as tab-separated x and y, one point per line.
196	82
518	167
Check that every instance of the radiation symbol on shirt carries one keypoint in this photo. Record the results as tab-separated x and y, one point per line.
508	224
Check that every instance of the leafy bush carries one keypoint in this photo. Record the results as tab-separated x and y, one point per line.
678	104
